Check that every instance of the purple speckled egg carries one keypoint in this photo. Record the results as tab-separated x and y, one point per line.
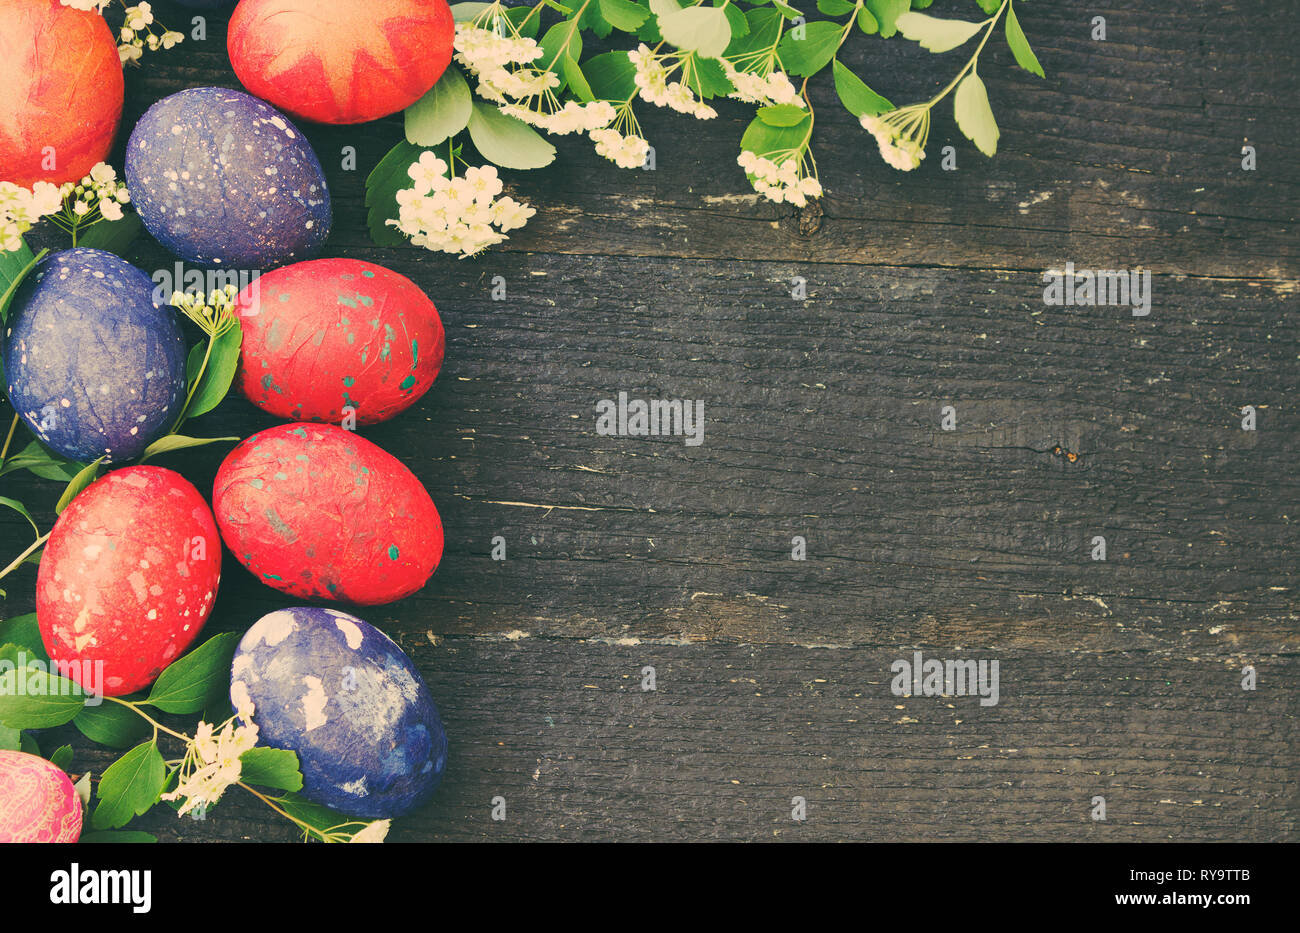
92	365
224	179
341	694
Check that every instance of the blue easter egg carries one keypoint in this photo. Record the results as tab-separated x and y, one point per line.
92	365
224	179
343	696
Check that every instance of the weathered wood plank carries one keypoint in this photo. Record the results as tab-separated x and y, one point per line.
563	731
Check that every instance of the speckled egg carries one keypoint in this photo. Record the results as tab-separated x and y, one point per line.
37	800
92	364
128	578
319	512
62	81
330	337
343	696
223	179
361	60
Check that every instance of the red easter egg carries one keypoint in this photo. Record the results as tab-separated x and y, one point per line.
128	578
63	87
347	61
37	801
313	510
334	334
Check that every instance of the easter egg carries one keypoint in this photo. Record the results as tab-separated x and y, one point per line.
37	801
313	510
331	336
92	364
355	61
63	89
223	179
343	696
128	578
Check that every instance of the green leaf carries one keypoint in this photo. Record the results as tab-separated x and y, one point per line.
835	7
464	12
27	743
313	814
782	115
703	29
786	10
1025	56
810	54
24	632
389	177
113	236
40	700
270	767
11	740
21	510
111	724
623	14
116	836
505	141
171	442
867	22
576	80
130	786
14	267
442	112
562	38
77	484
856	97
219	374
42	463
990	6
707	79
974	115
765	140
62	757
887	12
612	76
191	682
934	34
739	24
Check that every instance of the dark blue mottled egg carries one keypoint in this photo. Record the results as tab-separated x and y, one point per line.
343	696
92	364
224	179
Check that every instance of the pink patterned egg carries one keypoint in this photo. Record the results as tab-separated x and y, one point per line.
37	801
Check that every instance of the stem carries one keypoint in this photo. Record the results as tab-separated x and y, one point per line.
992	21
13	426
17	561
157	726
198	378
564	46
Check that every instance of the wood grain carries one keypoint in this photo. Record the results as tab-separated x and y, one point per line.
1120	677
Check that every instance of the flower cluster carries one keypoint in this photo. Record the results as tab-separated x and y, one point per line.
502	63
653	72
137	32
214	313
211	763
22	207
764	89
100	191
901	135
628	151
456	214
781	180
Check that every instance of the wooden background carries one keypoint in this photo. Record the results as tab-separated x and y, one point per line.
1119	678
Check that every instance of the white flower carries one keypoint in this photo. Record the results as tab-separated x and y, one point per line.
780	180
211	764
110	209
373	832
623	151
458	215
899	150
